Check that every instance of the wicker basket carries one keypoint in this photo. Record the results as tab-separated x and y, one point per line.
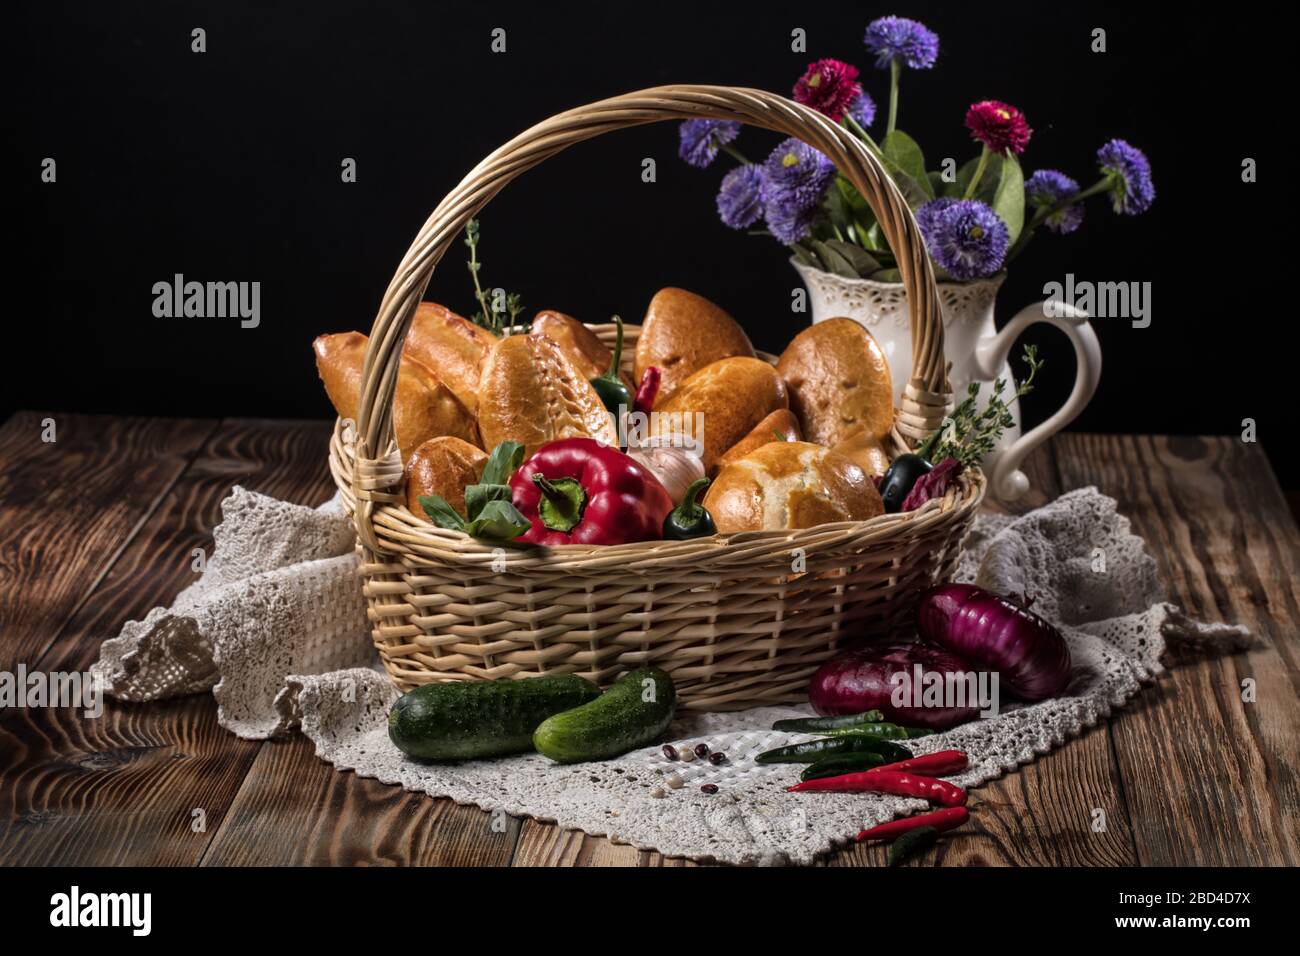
738	621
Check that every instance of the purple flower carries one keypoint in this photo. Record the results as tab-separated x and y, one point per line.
795	179
740	200
863	109
966	238
1045	189
927	211
898	38
1130	171
702	137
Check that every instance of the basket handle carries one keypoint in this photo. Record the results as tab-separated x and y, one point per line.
925	397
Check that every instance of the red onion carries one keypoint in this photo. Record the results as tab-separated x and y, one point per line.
997	634
859	680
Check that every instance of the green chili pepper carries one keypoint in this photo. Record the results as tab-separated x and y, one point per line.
836	766
913	841
609	386
881	730
816	725
690	519
815	750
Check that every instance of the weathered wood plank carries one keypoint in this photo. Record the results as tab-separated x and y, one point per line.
126	787
1211	780
68	508
294	809
544	844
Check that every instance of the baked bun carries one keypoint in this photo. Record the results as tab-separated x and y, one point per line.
733	395
781	425
866	451
423	407
530	393
581	346
452	346
443	467
682	333
790	484
839	382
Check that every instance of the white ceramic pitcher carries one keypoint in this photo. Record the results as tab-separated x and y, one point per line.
978	352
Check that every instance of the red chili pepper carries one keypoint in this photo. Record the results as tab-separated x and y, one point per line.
939	819
579	491
899	784
647	391
937	764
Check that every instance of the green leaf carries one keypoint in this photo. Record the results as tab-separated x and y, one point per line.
1008	199
903	151
936	181
888	275
863	263
501	464
498	521
835	262
805	256
477	496
441	513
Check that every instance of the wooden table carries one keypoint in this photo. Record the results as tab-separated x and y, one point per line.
99	526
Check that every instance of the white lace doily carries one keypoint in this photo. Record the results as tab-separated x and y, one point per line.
276	626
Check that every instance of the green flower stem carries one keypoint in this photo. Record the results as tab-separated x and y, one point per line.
1103	185
895	70
734	153
856	129
979	173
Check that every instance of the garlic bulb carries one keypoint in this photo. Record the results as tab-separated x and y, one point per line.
670	459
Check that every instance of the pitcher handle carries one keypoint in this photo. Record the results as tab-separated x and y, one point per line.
1007	480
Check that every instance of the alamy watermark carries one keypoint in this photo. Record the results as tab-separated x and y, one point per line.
947	690
208	300
41	689
1100	300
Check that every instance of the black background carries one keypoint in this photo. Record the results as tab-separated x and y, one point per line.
225	166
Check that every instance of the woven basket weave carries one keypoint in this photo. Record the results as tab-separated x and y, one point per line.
738	621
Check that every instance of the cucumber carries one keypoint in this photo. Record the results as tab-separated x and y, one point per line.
468	719
621	719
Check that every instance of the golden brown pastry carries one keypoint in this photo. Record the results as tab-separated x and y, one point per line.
530	393
423	407
790	485
866	451
682	333
781	425
839	382
443	467
733	395
452	346
580	345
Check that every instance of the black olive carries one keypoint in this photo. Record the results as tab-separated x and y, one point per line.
900	478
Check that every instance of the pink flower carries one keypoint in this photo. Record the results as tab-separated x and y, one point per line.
829	86
998	126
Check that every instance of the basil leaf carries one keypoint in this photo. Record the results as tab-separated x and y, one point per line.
498	521
478	496
441	513
501	464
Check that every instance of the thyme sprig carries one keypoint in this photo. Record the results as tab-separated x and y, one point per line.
497	310
968	435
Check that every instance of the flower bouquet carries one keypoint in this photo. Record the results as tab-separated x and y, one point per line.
975	219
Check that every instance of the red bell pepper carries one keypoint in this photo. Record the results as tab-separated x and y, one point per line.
580	491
